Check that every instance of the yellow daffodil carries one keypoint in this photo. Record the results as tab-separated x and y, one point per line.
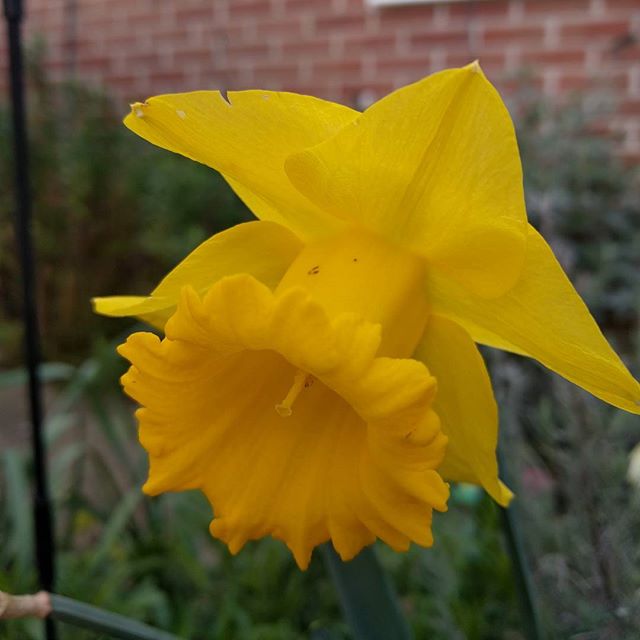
296	382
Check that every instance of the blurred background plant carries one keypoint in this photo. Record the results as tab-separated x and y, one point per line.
104	218
113	214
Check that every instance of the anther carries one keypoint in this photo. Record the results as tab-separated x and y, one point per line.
301	380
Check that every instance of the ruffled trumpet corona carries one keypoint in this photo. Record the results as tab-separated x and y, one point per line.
318	378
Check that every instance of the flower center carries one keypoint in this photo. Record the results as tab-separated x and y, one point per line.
357	271
301	380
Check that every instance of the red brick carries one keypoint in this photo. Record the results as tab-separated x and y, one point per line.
194	14
595	29
252	9
515	85
232	32
614	5
189	59
574	82
251	50
287	27
550	7
554	58
625	52
630	107
358	44
631	159
474	9
418	65
281	73
585	81
338	67
98	63
452	37
167	80
123	78
505	34
340	22
306	47
613	80
406	15
294	5
489	61
122	41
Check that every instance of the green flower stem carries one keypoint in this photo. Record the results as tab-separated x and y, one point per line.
367	598
521	573
87	616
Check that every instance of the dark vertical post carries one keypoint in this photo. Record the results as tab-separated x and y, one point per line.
42	509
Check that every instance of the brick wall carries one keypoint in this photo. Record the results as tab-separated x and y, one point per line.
343	49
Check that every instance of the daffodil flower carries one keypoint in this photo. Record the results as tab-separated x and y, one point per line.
296	382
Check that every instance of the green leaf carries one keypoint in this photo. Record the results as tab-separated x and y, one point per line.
116	525
49	372
18	496
113	624
366	596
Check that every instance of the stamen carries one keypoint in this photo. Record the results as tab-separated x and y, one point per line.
301	380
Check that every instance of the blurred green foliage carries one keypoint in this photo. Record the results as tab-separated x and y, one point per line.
567	451
113	214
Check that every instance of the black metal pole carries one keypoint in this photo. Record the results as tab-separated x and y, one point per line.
42	507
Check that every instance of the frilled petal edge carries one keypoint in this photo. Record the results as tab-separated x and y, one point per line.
287	421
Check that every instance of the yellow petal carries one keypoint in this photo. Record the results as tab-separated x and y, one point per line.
262	249
436	167
287	421
544	318
465	405
246	137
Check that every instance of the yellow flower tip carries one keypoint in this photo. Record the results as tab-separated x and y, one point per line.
502	494
338	468
149	490
138	108
474	67
301	554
